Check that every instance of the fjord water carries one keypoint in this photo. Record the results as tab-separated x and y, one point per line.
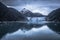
41	33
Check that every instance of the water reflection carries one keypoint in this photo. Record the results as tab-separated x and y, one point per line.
54	26
45	30
43	33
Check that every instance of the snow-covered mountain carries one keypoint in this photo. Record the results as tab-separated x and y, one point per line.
28	13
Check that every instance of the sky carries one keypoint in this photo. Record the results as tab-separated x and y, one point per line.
41	6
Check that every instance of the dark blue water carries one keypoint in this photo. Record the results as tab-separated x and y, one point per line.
35	33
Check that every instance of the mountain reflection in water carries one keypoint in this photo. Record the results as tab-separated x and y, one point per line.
43	32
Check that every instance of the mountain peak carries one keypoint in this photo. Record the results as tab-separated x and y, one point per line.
24	10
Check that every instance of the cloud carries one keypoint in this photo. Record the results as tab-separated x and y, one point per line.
48	4
22	2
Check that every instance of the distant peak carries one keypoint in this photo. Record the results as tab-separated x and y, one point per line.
25	10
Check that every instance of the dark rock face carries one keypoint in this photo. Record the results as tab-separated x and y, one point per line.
10	14
54	15
28	13
38	15
16	15
3	10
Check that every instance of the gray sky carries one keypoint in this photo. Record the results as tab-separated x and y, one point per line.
21	2
42	6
